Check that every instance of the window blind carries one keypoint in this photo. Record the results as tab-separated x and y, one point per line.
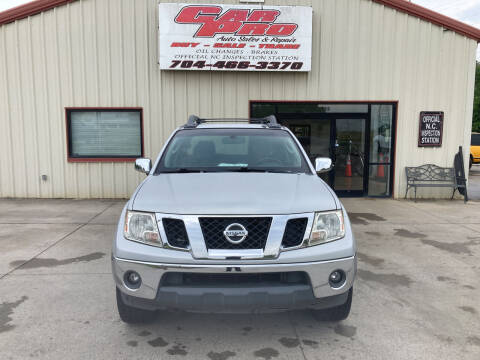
105	134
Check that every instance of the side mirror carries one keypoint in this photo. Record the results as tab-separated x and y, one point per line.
323	165
143	165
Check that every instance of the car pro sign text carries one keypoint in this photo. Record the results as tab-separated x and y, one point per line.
235	37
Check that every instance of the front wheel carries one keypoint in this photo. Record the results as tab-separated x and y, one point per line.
132	315
337	313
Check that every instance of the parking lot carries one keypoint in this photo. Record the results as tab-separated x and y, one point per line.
416	294
474	183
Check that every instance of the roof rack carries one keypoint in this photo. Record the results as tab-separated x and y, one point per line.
270	121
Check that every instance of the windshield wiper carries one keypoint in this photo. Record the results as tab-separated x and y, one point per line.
181	170
269	170
284	171
238	169
247	169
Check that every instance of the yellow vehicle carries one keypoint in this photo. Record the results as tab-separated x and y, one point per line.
475	149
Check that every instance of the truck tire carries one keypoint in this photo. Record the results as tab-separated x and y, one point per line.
132	315
337	313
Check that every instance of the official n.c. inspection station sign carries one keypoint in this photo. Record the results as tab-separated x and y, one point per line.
430	130
235	37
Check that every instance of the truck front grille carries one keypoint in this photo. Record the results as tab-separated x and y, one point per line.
294	231
213	228
176	232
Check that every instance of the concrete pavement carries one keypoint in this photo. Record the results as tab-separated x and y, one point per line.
474	183
416	295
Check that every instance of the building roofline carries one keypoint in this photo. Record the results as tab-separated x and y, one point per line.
433	17
471	32
29	9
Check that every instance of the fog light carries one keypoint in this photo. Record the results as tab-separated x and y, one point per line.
132	279
336	278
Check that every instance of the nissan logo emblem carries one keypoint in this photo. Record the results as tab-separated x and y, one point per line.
235	233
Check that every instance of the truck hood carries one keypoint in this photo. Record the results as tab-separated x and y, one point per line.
233	194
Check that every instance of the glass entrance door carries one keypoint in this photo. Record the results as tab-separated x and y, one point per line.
342	140
349	156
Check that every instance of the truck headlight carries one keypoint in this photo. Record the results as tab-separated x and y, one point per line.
142	227
327	226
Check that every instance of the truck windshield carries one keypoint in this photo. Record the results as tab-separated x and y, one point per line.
230	150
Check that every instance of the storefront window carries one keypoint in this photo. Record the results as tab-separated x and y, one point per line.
380	149
309	108
314	136
260	110
358	137
98	134
379	180
380	133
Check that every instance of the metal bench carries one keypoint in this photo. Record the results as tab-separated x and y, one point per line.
430	175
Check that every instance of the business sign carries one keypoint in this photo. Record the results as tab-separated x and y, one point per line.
430	132
235	37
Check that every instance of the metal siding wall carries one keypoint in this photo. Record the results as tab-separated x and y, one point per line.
105	53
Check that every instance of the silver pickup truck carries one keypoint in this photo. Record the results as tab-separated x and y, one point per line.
232	217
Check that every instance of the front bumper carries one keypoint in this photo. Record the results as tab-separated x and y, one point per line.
151	295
